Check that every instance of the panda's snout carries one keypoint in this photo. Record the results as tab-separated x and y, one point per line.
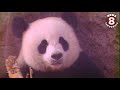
57	56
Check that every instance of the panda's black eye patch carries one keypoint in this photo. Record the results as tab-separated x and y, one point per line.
42	47
64	43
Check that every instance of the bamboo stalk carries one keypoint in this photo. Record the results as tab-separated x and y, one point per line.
13	69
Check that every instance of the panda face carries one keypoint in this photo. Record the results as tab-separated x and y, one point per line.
50	44
54	52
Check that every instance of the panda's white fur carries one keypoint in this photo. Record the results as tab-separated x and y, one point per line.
50	28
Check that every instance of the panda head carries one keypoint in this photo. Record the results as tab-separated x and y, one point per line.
48	44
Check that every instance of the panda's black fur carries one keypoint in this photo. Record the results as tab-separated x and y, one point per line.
83	67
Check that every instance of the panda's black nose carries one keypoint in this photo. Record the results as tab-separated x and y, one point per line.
57	56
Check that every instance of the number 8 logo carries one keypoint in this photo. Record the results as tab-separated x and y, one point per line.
111	21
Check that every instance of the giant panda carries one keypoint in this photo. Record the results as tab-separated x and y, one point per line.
51	48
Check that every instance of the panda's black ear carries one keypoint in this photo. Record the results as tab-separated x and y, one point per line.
70	18
19	25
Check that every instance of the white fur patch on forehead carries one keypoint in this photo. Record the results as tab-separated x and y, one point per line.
51	23
49	28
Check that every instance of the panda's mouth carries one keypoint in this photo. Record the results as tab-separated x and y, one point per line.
56	63
53	62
